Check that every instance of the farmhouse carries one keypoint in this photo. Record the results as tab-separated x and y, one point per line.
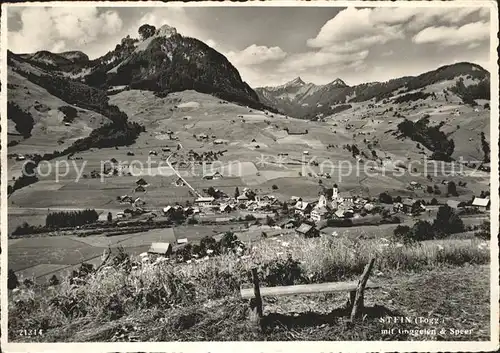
204	201
296	131
302	208
218	142
407	205
242	198
482	203
164	249
139	202
453	204
125	199
179	182
319	213
339	213
212	176
307	230
288	224
322	201
141	181
346	198
225	208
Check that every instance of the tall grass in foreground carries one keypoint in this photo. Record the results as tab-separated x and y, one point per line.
114	292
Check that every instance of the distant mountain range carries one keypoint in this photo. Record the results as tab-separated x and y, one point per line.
164	61
307	100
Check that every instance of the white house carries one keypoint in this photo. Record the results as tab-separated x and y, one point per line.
481	203
302	208
322	202
204	201
319	213
213	175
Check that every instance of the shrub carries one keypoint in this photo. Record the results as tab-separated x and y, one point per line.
402	233
250	218
384	197
422	230
452	188
274	187
69	112
447	222
484	231
279	272
23	120
12	281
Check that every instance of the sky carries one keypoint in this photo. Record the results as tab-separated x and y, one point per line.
272	45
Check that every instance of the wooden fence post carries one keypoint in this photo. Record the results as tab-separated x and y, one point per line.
256	291
256	302
359	299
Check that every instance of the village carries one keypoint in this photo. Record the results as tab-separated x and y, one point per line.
308	218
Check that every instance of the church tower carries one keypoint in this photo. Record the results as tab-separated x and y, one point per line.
335	193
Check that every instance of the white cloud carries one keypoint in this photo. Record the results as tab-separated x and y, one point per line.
61	27
354	29
256	54
172	16
417	18
471	32
211	43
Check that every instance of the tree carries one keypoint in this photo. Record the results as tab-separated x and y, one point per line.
53	281
452	188
274	187
401	232
12	281
422	230
270	221
236	193
416	208
146	31
384	197
434	201
486	148
209	243
110	217
430	189
447	222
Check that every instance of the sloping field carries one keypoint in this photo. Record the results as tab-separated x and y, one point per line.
49	132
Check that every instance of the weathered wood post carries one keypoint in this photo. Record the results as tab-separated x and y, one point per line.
256	302
358	303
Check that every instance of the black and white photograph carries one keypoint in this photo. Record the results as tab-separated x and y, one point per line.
308	172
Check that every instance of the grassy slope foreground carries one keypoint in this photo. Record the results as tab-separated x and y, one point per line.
200	301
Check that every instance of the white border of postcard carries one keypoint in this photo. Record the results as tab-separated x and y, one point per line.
250	346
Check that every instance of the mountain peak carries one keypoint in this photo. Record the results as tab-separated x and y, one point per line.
337	83
166	31
297	81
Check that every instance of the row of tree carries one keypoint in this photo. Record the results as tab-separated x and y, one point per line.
71	218
447	222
